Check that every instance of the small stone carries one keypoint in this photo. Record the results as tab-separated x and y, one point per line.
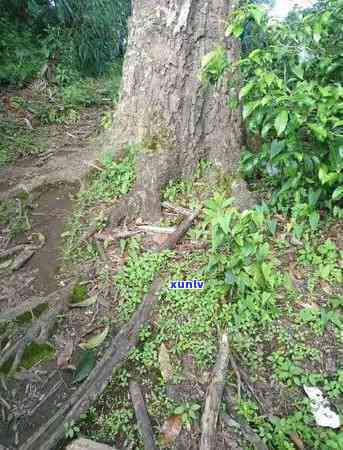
87	444
243	198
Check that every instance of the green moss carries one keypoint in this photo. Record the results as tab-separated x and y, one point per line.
35	353
5	368
156	139
29	315
79	294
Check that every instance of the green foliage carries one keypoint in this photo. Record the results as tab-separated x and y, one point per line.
293	101
77	38
21	57
15	216
99	30
114	180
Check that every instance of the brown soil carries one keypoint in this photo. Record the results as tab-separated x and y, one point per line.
49	182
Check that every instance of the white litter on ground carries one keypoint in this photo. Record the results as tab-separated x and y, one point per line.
320	406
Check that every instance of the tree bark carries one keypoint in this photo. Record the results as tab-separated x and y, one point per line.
164	109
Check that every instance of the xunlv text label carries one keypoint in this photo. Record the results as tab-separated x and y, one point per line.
189	284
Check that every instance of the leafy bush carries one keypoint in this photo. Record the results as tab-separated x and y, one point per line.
79	36
293	102
21	58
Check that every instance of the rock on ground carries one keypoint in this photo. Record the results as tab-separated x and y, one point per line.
87	444
243	198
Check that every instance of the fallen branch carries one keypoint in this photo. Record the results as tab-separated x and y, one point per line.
23	258
11	251
177	209
121	234
143	420
249	434
295	438
48	435
155	229
180	231
214	396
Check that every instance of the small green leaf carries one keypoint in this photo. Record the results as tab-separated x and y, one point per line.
237	30
299	71
246	89
314	219
179	410
248	109
96	340
257	14
85	366
317	29
281	122
337	193
84	304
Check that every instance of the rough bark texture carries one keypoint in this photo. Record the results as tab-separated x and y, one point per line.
165	109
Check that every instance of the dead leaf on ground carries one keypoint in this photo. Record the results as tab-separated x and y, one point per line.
171	429
325	287
95	341
63	359
165	365
159	238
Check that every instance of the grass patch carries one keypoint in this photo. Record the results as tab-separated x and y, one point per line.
15	216
18	140
279	332
114	180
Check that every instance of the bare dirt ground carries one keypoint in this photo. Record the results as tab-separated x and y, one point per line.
45	185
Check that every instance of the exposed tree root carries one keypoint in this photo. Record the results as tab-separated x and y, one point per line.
50	432
143	420
53	430
23	258
11	251
51	299
176	209
38	332
180	231
214	396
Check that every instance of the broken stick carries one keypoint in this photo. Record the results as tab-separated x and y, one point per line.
180	231
214	396
143	419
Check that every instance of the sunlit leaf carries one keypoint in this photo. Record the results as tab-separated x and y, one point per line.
96	340
281	122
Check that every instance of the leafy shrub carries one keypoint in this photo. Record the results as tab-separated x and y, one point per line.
21	57
293	101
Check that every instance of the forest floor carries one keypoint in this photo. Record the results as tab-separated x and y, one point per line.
288	337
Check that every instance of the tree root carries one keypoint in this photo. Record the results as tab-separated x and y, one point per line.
214	396
143	420
51	299
38	332
53	430
11	251
23	258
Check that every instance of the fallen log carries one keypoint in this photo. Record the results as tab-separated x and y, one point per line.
48	435
143	420
214	396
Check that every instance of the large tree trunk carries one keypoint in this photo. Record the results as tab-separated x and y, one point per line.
164	107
